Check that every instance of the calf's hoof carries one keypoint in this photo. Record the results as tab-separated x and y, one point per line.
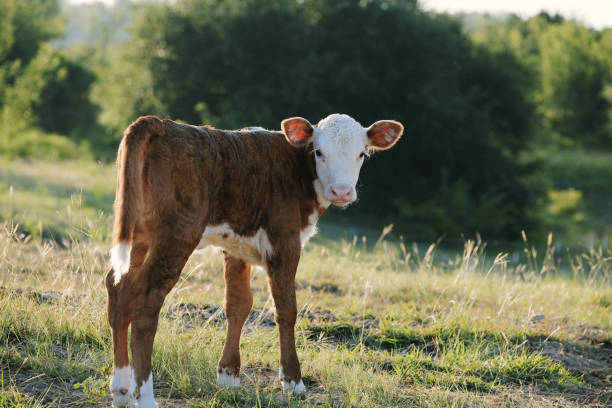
122	398
146	402
227	380
290	387
145	398
121	387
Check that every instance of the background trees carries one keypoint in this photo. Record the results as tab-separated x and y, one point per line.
234	64
40	87
478	95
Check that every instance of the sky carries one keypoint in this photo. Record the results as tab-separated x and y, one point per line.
595	13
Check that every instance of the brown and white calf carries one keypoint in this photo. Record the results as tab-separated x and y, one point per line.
255	193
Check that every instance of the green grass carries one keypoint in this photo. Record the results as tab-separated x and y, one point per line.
374	329
58	200
36	144
579	194
381	324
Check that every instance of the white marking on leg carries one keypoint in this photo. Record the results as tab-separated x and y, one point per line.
227	380
121	382
120	259
290	387
298	389
146	398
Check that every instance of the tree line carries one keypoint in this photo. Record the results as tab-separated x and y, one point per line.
474	98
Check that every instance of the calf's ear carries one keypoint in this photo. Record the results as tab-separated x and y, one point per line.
384	134
298	131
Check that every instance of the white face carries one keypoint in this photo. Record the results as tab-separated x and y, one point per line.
340	145
340	148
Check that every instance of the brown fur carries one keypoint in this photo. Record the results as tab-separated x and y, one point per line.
174	180
238	303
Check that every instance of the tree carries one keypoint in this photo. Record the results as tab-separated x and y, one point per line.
24	26
573	79
236	63
40	87
567	74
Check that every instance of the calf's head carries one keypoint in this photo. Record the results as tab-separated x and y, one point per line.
340	145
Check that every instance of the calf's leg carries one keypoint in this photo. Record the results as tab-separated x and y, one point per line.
157	277
118	308
238	303
281	277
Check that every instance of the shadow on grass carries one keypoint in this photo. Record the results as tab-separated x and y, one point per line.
464	359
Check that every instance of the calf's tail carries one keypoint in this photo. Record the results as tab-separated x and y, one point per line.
129	194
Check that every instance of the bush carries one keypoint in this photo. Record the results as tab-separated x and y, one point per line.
51	94
33	143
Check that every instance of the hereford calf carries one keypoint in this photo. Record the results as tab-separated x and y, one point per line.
255	193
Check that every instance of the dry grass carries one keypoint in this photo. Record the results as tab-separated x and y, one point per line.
386	326
383	327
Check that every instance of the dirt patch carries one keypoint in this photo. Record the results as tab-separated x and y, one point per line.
190	315
318	316
592	362
325	287
47	391
39	297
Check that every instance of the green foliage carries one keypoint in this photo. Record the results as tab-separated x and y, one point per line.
475	93
41	89
573	77
124	91
576	205
51	94
11	397
571	71
24	26
565	202
35	144
465	115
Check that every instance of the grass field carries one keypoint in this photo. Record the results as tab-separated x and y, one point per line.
380	329
58	200
385	325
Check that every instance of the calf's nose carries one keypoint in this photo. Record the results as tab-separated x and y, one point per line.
342	192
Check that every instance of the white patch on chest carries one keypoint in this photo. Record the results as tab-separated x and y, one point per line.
254	250
311	228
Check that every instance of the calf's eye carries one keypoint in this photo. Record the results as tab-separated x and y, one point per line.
318	153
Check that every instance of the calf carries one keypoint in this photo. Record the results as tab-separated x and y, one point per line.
255	193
